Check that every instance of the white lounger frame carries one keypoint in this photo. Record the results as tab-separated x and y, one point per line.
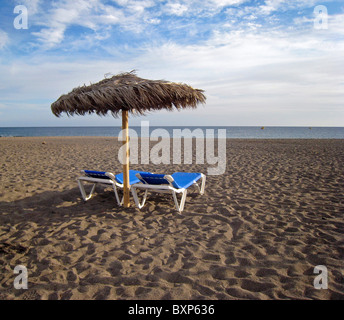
111	181
165	189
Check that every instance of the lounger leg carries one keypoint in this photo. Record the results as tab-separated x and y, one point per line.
203	184
136	198
182	201
197	186
83	192
116	194
179	207
175	200
122	200
202	187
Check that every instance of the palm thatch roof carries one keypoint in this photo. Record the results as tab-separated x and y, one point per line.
128	92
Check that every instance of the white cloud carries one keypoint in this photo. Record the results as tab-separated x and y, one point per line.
271	5
223	3
138	15
3	39
275	5
153	20
90	14
177	9
33	6
333	31
198	8
336	24
139	6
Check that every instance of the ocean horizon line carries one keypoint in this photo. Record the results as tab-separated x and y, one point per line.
234	132
183	126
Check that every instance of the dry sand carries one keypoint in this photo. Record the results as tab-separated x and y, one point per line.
257	233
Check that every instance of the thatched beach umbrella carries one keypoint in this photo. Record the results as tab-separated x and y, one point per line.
126	93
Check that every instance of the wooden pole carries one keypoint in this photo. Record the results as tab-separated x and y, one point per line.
126	186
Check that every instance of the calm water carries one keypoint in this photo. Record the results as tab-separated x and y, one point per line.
231	132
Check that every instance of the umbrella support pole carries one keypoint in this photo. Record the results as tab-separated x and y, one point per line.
126	186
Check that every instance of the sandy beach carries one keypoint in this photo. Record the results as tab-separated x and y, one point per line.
258	232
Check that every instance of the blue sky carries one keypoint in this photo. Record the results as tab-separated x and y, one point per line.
260	62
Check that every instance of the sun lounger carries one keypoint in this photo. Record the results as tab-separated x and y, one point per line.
105	178
176	183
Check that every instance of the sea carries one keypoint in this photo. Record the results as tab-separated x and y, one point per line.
233	132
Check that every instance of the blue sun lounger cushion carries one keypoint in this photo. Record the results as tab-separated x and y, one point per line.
180	179
105	178
178	182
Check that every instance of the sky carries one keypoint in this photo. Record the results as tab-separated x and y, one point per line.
260	62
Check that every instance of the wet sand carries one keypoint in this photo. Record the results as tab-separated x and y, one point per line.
257	233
